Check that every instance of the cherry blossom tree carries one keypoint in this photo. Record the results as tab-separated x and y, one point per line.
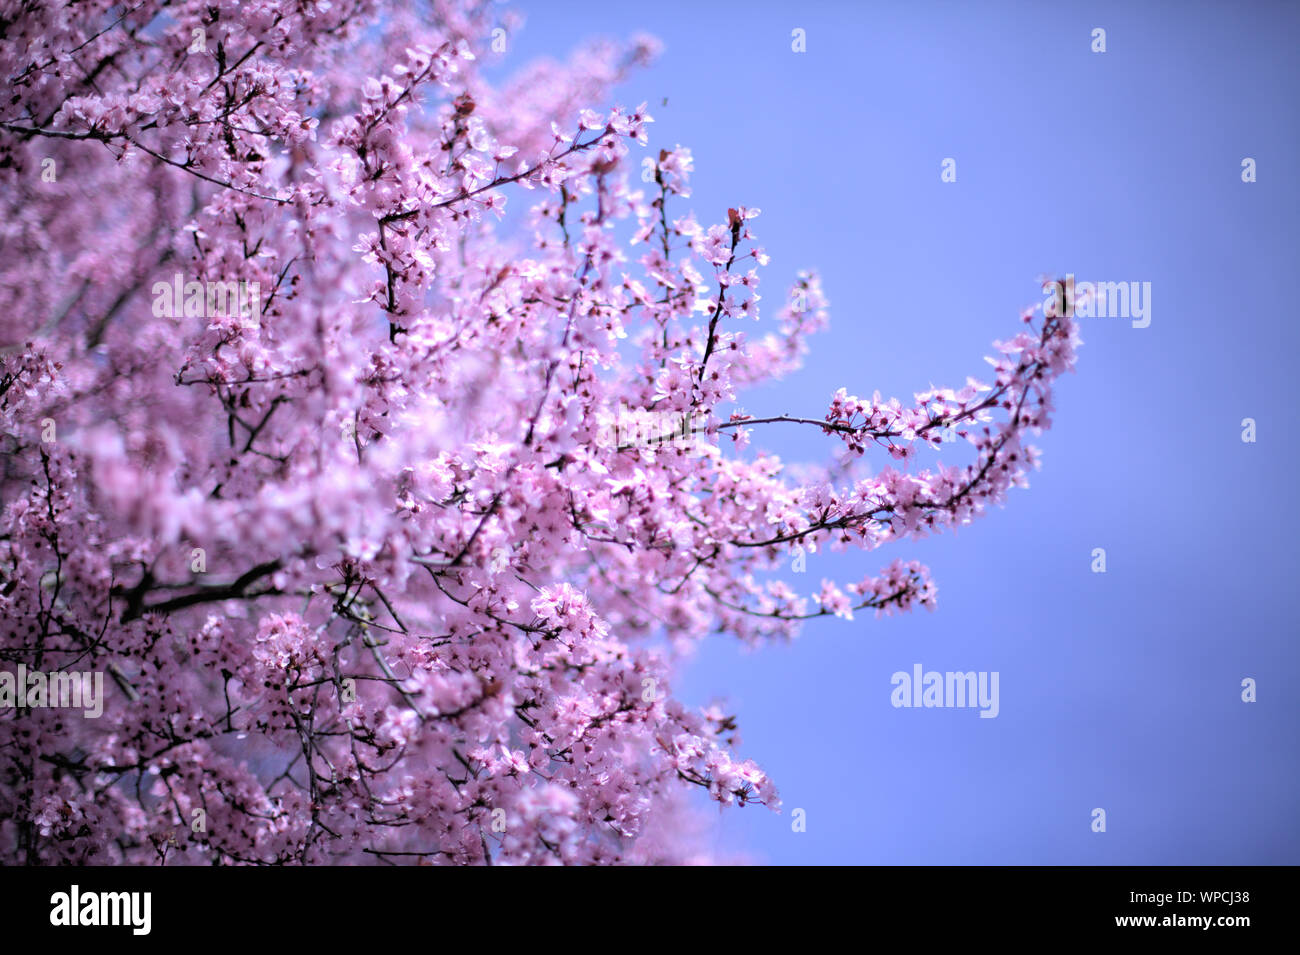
372	427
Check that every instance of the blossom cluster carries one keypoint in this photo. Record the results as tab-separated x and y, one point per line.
366	582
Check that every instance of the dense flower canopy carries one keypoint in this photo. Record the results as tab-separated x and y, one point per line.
392	559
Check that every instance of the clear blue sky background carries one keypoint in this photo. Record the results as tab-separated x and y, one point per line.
1118	690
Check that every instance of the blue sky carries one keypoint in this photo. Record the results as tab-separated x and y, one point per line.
1119	690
